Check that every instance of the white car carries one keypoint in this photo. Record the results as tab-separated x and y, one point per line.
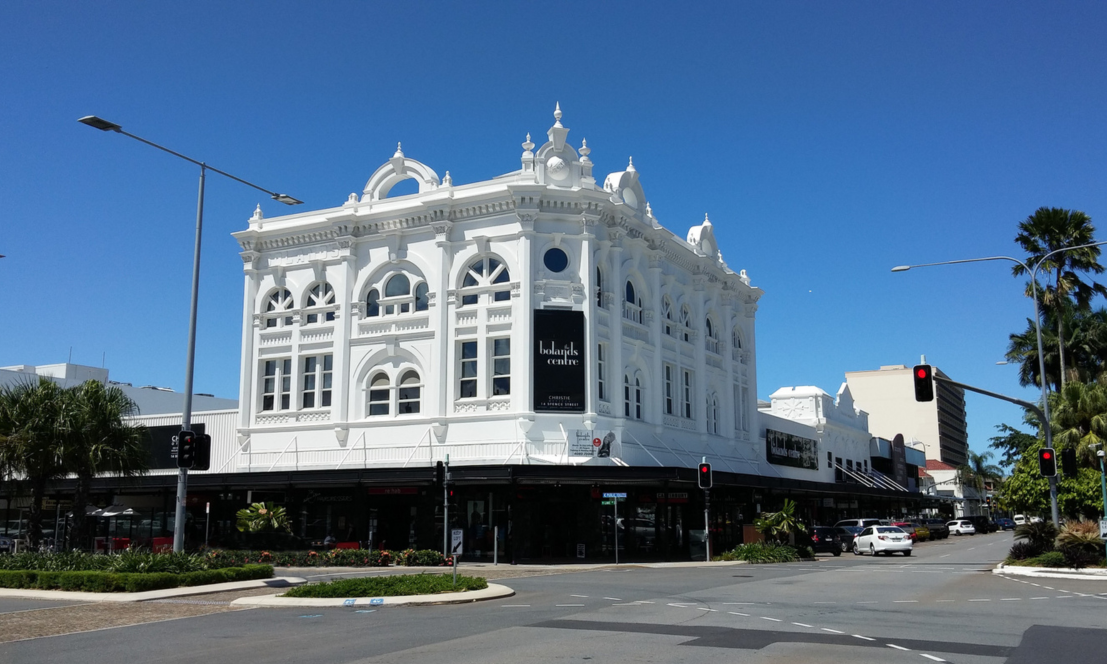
1021	520
882	539
961	527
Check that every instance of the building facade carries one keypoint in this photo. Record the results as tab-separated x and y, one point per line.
887	394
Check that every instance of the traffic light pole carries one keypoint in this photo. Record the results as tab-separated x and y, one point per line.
1045	425
707	521
446	510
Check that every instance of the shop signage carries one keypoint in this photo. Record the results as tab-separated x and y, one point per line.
161	444
614	495
785	449
591	443
828	502
580	550
393	490
899	460
559	361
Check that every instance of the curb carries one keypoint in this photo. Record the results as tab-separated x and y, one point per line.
493	591
65	595
1052	573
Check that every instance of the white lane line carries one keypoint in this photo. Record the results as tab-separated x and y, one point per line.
514	606
801	624
824	602
642	601
1048	587
832	631
1064	597
581	596
627	604
701	608
945	556
906	601
868	602
936	659
680	606
892	645
568	605
1034	584
1011	599
772	619
980	600
614	599
741	603
945	600
858	636
1039	598
735	613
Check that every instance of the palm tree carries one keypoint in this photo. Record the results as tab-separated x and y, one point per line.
1046	231
978	471
1079	416
100	440
1023	350
30	423
1085	348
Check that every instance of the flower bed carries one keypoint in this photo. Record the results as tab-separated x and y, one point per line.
389	586
130	582
334	558
761	552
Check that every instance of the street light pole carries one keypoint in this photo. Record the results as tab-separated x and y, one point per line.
190	364
1041	354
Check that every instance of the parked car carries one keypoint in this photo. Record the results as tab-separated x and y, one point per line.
823	539
846	535
882	539
938	528
961	527
922	531
907	527
858	523
982	524
1006	524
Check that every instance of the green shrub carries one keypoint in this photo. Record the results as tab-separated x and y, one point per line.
1024	550
389	586
95	581
1050	559
761	552
422	558
128	561
1041	534
332	558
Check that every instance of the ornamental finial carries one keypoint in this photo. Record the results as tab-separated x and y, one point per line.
399	152
557	114
630	166
527	145
584	149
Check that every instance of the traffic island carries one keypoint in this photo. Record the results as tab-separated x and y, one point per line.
1087	573
385	591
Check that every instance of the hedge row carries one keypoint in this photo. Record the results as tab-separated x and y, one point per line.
129	582
332	558
389	586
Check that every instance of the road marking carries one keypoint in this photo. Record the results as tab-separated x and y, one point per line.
1033	584
1048	587
735	613
906	601
514	606
772	619
945	600
892	645
1010	599
858	636
742	603
832	631
561	605
581	596
1064	597
936	659
627	604
314	615
680	606
824	602
801	624
868	602
642	601
705	609
1039	598
945	556
980	600
614	599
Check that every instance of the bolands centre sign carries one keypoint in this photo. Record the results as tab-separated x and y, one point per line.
559	361
785	449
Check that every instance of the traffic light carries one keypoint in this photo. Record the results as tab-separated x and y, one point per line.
924	382
439	474
705	476
186	449
1047	462
1068	461
988	501
202	457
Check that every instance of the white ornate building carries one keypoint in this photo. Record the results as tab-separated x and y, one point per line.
391	332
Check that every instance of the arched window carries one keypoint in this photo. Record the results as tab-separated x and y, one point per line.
410	391
422	301
632	308
319	297
736	338
379	394
667	315
372	304
686	322
482	275
278	307
711	341
712	413
632	397
599	288
398	285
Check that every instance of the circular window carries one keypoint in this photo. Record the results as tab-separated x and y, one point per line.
556	260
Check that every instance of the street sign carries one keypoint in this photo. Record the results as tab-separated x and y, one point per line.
456	538
608	502
614	495
1103	529
376	601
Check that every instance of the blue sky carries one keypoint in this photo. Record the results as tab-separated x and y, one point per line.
827	141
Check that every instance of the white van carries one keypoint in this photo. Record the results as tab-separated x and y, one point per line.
1021	520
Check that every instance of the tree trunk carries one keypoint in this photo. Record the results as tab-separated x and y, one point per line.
1061	348
34	514
79	531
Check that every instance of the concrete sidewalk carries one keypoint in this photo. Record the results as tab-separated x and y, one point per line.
1097	574
168	593
493	591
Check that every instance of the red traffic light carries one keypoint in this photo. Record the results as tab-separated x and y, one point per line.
921	372
1046	454
705	476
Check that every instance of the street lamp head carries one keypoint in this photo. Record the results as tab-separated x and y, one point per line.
901	268
99	123
286	199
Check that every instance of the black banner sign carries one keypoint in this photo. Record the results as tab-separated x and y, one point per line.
559	378
785	449
161	446
899	460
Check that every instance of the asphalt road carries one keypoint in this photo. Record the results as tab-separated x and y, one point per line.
942	604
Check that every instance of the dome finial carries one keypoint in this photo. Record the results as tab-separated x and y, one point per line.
584	149
706	221
557	114
630	166
399	152
527	145
448	181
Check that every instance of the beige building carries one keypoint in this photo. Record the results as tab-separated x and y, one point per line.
888	396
